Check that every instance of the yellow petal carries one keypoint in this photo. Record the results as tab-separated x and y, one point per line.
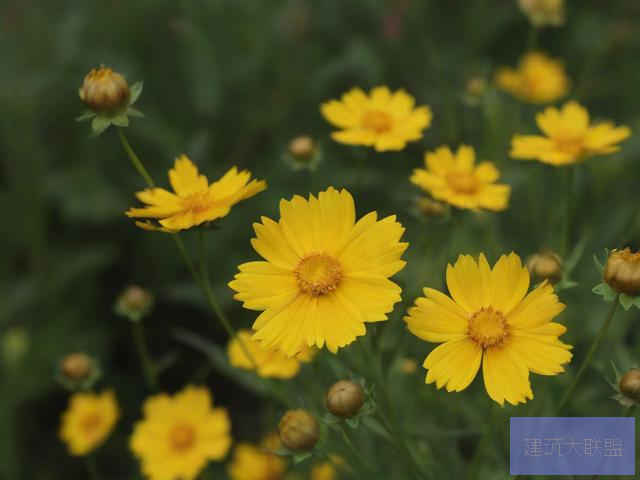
506	377
185	179
453	364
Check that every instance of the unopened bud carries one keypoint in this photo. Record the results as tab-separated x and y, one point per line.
299	430
134	302
345	398
431	208
545	265
630	384
77	366
302	147
622	271
543	12
104	91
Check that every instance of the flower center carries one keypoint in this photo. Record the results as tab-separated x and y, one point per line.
377	121
182	436
318	274
569	145
488	327
197	202
91	422
463	182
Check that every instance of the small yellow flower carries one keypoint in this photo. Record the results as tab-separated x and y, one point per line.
195	201
251	462
538	79
180	434
327	470
383	120
271	363
490	319
569	137
88	421
326	275
455	179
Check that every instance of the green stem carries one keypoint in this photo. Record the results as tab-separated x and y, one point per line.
92	468
585	363
567	239
134	158
370	473
532	38
146	362
186	258
486	437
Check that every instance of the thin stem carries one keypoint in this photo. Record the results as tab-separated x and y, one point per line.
92	468
134	158
186	258
486	437
532	38
370	473
585	363
146	362
213	303
567	239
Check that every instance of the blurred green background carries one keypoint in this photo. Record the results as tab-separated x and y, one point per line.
230	83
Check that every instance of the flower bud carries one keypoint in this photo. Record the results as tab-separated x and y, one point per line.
299	430
430	208
345	398
630	384
476	86
104	91
76	367
545	265
622	271
301	147
134	302
543	12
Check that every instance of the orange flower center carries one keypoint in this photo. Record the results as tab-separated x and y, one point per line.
197	202
182	437
488	327
377	121
569	145
91	422
463	182
318	274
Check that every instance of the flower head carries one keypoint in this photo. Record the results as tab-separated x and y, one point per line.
490	319
546	265
568	137
325	274
455	179
543	12
88	421
255	462
194	201
538	79
180	434
344	399
383	120
134	303
78	371
299	430
622	271
328	470
271	363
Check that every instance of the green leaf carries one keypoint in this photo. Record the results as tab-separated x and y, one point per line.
330	419
136	90
121	120
300	457
86	115
100	124
637	301
599	266
353	422
132	112
626	301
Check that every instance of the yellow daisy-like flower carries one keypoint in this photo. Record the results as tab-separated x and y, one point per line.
251	462
194	201
490	319
325	274
180	434
88	421
383	120
328	470
569	137
271	363
455	179
538	79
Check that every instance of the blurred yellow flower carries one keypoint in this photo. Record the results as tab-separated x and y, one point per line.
194	201
327	470
455	179
538	79
384	120
569	137
490	319
271	363
180	434
325	274
88	421
252	462
543	12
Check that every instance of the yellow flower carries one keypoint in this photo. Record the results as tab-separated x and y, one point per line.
384	120
180	434
251	462
455	179
538	79
88	421
325	274
271	363
569	137
490	319
194	201
327	470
